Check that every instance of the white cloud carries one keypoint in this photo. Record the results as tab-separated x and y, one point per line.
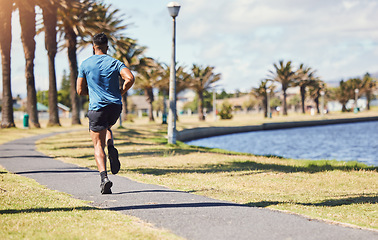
337	38
243	38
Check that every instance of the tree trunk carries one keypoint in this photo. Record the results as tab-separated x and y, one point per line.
368	99
28	32
303	97
201	116
5	48
265	104
316	100
50	22
150	98
71	42
284	102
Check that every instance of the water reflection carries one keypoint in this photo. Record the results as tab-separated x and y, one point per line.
352	141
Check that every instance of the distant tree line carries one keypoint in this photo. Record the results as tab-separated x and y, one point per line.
310	85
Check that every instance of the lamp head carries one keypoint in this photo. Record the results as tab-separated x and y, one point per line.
173	8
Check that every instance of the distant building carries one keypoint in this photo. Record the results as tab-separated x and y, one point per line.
138	104
64	111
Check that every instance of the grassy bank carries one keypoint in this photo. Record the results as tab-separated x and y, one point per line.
343	192
31	211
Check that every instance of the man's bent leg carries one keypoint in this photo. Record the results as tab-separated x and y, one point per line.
115	165
109	137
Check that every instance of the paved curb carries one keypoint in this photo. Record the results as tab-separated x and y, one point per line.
197	133
187	215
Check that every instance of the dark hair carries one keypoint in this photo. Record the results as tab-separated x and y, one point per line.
100	39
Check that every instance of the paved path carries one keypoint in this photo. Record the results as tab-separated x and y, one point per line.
187	215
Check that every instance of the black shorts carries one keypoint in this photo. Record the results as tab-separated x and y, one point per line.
104	117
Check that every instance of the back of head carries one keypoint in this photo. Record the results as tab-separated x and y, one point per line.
100	40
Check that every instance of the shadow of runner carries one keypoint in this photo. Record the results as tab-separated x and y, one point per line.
150	191
179	205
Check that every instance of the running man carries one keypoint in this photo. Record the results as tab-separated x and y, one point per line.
98	78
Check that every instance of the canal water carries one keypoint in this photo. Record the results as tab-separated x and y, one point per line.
347	142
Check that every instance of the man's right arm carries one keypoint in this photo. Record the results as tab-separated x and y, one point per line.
128	78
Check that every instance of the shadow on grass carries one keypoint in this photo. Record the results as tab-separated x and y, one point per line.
45	210
74	147
160	152
127	133
129	143
237	166
368	199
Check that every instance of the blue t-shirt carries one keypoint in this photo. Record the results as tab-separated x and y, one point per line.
101	73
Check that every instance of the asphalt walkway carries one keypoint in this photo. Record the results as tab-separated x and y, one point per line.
185	214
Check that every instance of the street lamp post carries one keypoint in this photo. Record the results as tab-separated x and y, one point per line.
356	99
173	8
322	103
268	103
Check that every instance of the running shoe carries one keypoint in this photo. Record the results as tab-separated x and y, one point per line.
105	186
115	165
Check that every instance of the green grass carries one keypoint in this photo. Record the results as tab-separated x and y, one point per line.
343	192
31	211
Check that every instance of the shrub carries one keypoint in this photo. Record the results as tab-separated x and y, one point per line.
226	111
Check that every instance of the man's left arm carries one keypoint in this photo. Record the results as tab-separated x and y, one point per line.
128	78
81	86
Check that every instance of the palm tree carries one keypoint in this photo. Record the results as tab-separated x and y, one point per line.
28	31
368	86
84	18
149	73
202	79
344	92
262	94
70	26
315	87
49	11
304	78
182	82
101	18
5	48
285	75
130	53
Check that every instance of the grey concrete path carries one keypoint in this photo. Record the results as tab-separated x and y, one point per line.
187	215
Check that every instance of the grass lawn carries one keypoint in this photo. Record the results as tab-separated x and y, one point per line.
343	192
31	211
334	191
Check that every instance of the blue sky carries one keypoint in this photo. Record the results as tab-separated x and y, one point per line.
240	38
